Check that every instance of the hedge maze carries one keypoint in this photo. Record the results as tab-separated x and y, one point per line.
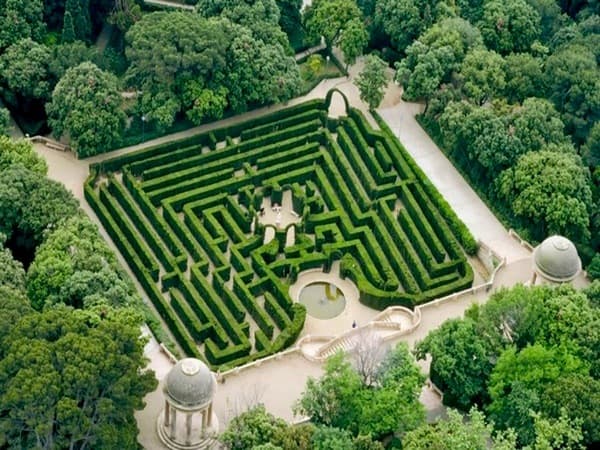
184	216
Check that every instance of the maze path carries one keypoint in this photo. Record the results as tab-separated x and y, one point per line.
185	217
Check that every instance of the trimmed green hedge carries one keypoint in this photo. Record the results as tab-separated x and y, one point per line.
185	217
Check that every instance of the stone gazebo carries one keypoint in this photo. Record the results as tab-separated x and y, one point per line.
555	261
187	421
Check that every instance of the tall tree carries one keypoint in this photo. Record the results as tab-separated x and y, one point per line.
509	25
482	74
519	378
329	18
524	77
80	13
21	19
68	30
353	41
20	151
86	104
551	191
73	379
24	69
372	80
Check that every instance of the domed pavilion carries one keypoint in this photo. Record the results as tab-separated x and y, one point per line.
555	261
188	421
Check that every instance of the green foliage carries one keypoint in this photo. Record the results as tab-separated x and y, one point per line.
455	432
68	31
572	77
372	80
202	103
353	41
593	269
12	275
61	368
21	152
340	399
253	428
591	149
331	19
4	120
79	11
509	25
30	204
404	20
21	19
259	158
24	69
75	266
86	104
326	438
67	55
482	74
562	433
124	14
517	381
551	191
524	77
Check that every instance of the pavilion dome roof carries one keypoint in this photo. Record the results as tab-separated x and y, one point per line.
556	259
190	383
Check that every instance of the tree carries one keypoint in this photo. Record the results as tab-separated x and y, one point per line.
451	346
437	53
353	41
24	68
591	149
68	30
372	80
30	204
330	18
290	21
21	19
560	434
12	274
367	355
74	266
165	51
524	77
574	86
509	25
4	120
326	438
390	405
80	13
259	73
86	104
455	432
72	379
253	428
124	14
538	125
577	397
67	55
261	17
519	378
551	191
404	20
332	400
20	151
482	73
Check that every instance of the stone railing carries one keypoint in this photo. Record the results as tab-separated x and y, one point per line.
222	376
50	143
512	233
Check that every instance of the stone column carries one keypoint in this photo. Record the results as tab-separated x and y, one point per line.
167	412
173	430
204	419
209	412
188	428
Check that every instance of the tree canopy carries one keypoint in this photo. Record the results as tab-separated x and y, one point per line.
86	104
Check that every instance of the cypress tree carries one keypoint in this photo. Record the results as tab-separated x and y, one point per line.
68	31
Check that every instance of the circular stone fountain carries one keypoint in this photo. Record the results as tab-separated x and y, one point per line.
323	300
